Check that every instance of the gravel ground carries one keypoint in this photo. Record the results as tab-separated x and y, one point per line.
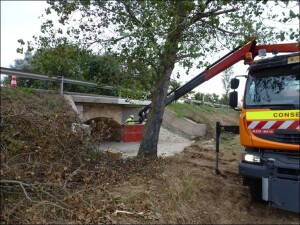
169	144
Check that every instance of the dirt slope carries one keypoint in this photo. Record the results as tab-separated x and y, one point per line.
51	175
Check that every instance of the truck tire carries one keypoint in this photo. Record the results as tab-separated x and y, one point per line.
255	192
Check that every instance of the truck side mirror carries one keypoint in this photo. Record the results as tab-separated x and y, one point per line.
233	99
234	83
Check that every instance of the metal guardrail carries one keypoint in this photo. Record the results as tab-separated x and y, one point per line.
191	101
61	79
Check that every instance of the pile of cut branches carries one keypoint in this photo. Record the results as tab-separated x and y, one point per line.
50	174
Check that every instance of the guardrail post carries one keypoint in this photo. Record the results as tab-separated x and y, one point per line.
62	86
61	78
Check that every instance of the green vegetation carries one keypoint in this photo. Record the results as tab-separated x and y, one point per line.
71	61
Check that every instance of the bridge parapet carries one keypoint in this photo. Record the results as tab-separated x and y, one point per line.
108	100
88	107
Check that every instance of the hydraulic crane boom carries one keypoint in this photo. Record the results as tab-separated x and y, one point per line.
220	65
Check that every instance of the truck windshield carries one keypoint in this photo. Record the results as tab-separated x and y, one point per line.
276	88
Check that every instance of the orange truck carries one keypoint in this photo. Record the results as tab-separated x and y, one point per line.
269	127
269	120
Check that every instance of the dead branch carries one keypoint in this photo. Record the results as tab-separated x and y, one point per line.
13	209
128	213
22	185
17	156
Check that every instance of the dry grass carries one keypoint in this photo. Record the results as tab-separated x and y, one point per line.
188	191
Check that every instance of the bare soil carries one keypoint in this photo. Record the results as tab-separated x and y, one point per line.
51	175
188	191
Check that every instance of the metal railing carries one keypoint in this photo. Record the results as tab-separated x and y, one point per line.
196	102
61	79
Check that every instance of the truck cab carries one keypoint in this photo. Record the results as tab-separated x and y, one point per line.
269	131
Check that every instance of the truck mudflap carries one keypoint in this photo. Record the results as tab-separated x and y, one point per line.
282	193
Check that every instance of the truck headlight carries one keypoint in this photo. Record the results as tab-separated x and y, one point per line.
251	158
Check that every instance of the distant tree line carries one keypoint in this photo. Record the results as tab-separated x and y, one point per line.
209	97
73	62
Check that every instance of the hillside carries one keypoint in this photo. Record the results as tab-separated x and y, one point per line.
207	115
51	175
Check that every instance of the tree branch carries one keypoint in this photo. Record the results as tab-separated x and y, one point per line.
130	12
221	29
26	193
150	63
200	15
12	158
226	31
137	21
207	2
193	55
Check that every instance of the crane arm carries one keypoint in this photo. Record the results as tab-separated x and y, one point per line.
219	66
287	47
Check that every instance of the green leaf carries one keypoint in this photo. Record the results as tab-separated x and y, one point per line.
292	14
20	50
48	11
285	20
21	41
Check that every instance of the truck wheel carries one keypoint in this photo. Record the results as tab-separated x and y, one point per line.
255	193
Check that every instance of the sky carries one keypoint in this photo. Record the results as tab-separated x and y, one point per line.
19	20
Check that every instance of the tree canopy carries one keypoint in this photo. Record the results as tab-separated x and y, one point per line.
71	61
152	36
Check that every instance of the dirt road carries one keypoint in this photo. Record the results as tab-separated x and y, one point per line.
130	149
189	191
168	145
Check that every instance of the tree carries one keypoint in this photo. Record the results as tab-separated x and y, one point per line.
151	36
71	61
174	84
215	98
226	77
23	65
208	98
198	96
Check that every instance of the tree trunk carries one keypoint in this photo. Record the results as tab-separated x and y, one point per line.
148	146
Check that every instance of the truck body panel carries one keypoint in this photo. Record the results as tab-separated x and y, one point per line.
251	128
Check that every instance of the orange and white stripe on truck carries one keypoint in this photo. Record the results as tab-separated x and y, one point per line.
268	127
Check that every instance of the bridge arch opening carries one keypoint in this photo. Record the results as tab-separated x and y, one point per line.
104	129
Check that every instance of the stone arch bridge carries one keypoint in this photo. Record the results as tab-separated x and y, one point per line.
105	111
112	112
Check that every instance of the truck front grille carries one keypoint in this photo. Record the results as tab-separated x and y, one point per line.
286	171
